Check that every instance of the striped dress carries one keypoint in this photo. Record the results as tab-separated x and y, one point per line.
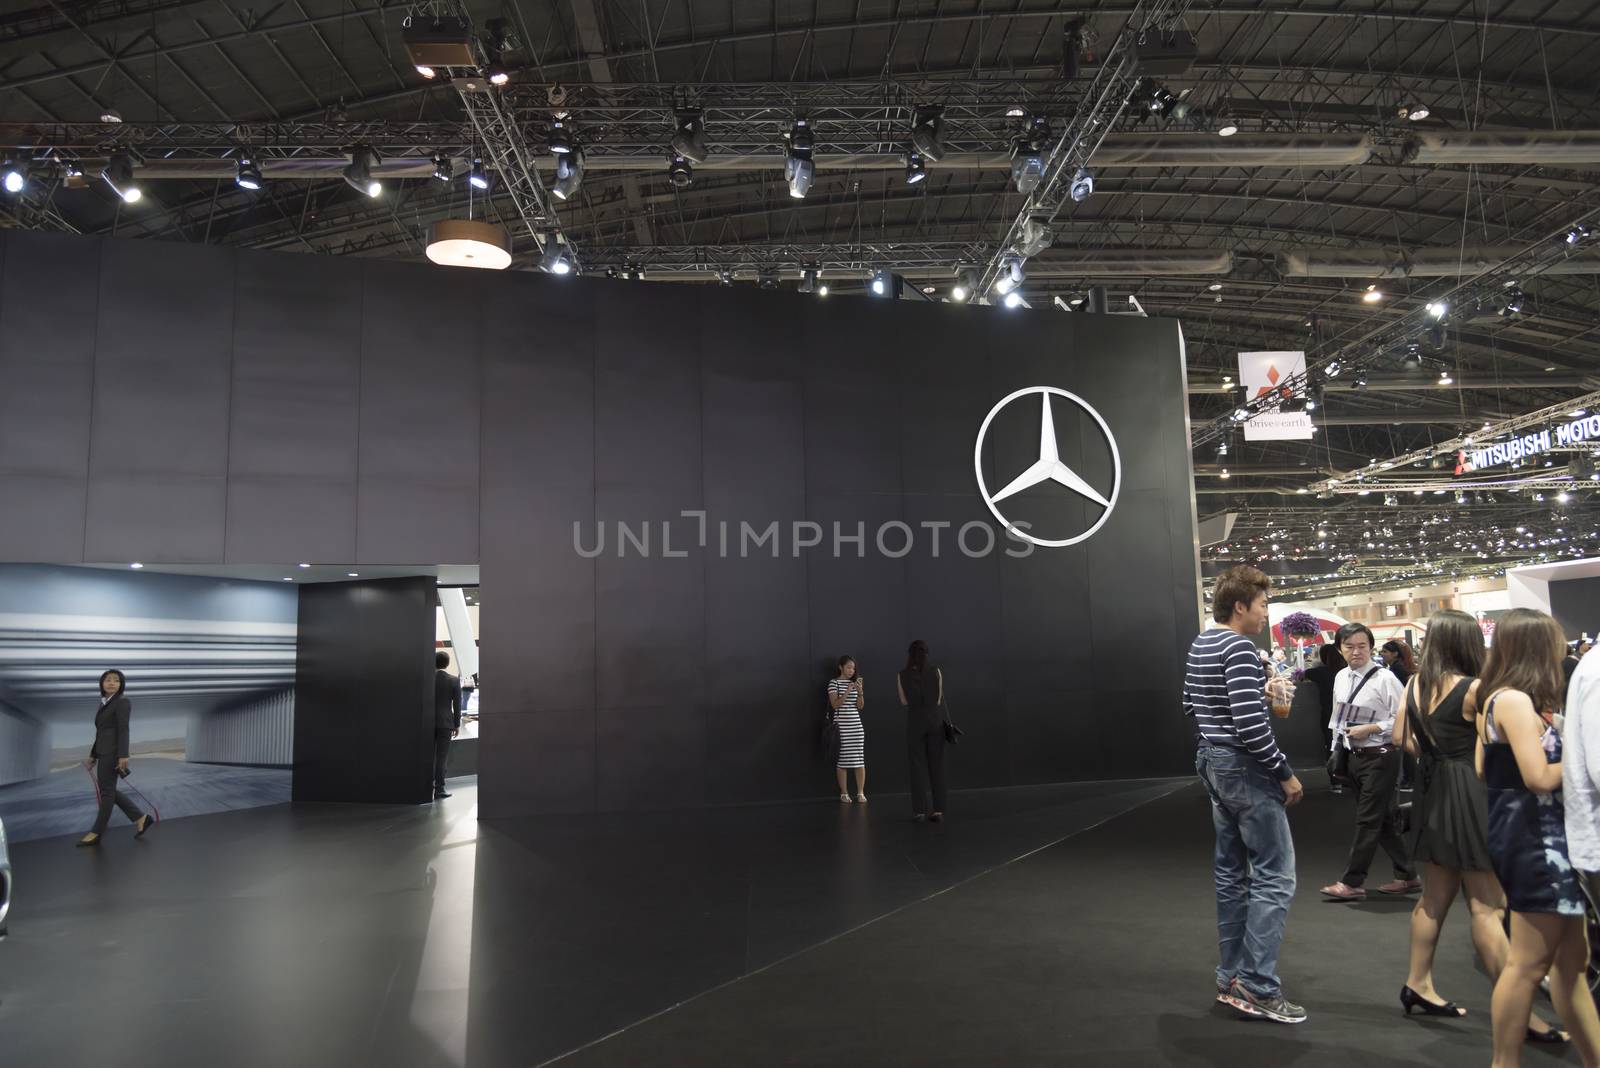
852	739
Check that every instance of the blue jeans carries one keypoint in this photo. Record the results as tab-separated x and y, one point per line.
1254	866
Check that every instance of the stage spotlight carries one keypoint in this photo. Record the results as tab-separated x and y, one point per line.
1391	501
427	71
689	139
1512	306
1333	368
569	173
110	115
1222	448
1437	309
822	289
496	74
1314	397
1578	233
15	175
1016	111
1240	414
1160	99
477	177
679	172
1027	166
882	283
248	175
798	168
1445	379
965	286
1411	357
118	174
1034	238
915	171
1227	128
1012	274
1082	187
1013	299
358	173
808	279
554	260
558	141
1372	295
1360	381
443	168
1461	497
927	132
1413	112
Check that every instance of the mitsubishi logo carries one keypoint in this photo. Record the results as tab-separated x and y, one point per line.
1049	468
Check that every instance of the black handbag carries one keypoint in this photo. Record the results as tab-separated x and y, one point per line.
952	733
831	742
1339	759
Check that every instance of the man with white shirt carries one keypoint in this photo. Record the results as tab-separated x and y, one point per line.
1580	770
1367	699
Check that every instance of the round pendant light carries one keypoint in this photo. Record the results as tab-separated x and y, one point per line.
468	243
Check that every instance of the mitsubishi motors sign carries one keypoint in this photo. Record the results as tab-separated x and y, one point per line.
1262	374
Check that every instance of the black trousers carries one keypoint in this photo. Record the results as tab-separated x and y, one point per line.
105	773
925	746
1377	776
441	755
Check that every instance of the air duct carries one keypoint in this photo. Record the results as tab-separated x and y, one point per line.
1551	147
1442	262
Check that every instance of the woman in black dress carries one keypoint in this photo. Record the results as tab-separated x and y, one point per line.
1449	833
1519	756
921	687
109	755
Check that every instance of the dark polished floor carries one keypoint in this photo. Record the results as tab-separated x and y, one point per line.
1060	925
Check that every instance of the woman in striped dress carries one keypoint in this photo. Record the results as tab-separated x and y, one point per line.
847	697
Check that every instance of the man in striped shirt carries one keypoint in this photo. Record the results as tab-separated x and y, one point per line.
1250	784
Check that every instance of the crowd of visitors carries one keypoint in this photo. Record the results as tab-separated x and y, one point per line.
1505	806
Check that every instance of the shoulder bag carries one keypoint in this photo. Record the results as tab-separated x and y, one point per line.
831	742
1339	759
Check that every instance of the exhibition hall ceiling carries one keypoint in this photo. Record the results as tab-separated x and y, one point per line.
1278	176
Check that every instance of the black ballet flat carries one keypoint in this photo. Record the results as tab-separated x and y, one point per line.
1410	999
87	841
1552	1037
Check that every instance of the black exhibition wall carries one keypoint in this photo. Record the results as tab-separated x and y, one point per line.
192	404
364	691
1576	605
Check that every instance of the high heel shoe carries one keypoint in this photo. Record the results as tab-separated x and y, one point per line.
1552	1037
90	839
145	823
1410	999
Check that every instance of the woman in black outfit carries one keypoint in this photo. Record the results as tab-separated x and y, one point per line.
1449	834
921	689
110	753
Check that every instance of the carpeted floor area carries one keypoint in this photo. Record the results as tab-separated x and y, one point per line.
1095	951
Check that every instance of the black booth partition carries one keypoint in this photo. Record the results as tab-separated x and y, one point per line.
686	503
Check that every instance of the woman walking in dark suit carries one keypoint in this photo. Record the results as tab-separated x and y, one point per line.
110	753
921	689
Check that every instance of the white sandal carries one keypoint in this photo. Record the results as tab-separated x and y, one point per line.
847	799
861	798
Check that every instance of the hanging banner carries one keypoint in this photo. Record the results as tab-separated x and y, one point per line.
1261	374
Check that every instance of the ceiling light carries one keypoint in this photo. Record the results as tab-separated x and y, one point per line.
286	578
352	574
1016	111
118	174
1034	238
1413	111
1228	128
443	168
1372	295
496	74
1013	299
1445	379
136	566
1215	287
358	173
569	173
1333	368
915	171
689	139
927	131
822	289
1513	302
1360	381
1563	497
1027	156
1578	233
798	168
808	279
477	177
469	243
1012	274
427	71
882	283
248	176
110	115
966	285
1437	308
1224	474
679	172
1579	413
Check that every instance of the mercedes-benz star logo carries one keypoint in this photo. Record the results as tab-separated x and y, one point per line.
1049	468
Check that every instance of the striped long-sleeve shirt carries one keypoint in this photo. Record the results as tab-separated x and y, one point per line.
1223	691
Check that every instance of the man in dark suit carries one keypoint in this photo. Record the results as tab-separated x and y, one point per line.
446	718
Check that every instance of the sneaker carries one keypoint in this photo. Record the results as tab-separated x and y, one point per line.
1340	892
1225	991
1401	886
847	799
1277	1008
